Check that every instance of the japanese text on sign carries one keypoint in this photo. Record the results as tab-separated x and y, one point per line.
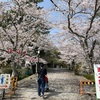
97	79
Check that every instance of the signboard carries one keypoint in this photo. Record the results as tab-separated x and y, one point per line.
97	79
4	81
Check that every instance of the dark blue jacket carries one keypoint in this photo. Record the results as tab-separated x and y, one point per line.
42	72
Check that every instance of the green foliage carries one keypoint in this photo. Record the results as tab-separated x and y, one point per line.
6	19
89	76
25	72
77	68
52	57
41	28
7	70
22	77
3	65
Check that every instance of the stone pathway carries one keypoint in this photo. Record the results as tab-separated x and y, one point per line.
63	86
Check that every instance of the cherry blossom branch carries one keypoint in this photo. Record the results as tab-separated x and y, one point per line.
93	17
8	36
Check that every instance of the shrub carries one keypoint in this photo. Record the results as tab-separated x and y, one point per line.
7	70
23	73
89	76
22	77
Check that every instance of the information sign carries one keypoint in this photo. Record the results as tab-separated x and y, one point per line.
4	81
97	79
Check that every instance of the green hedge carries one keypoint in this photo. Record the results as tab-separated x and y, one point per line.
23	73
22	77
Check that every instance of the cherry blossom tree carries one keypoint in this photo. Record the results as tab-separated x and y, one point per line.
81	22
21	22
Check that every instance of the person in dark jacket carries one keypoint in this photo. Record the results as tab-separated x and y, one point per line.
42	71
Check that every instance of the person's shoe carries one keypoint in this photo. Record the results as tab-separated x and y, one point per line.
42	96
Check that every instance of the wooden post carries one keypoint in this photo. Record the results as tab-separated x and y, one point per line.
80	87
3	91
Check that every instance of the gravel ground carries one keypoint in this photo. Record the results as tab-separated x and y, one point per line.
63	85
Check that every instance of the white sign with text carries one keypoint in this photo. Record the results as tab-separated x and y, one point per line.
4	81
97	79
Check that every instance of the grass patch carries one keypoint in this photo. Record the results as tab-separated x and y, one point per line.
90	77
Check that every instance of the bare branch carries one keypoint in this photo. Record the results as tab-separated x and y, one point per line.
57	6
93	17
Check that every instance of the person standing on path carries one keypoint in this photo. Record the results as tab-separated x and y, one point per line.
42	71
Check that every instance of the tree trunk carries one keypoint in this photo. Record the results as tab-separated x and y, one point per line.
89	63
14	71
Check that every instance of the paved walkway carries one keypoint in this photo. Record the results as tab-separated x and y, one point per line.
63	86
